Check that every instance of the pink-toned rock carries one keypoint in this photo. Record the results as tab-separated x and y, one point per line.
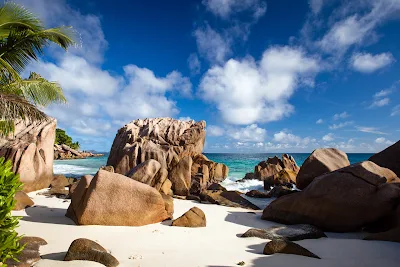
114	199
31	151
22	201
321	161
181	178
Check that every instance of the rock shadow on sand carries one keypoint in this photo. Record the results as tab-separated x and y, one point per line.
44	214
58	256
249	219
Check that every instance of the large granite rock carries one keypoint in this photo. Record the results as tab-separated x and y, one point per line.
389	158
321	161
176	145
31	151
276	171
194	217
164	139
114	199
227	198
340	201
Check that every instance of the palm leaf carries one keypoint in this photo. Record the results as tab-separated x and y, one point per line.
13	107
14	16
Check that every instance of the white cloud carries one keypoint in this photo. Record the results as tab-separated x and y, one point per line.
360	27
342	115
316	5
246	91
251	133
287	138
328	138
320	121
395	111
382	140
194	64
340	125
185	119
367	63
228	8
380	102
383	93
213	130
372	130
212	45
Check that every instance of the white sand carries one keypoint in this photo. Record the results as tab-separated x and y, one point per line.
216	245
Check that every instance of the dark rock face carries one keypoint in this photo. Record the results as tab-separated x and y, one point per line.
194	217
30	254
31	151
287	247
280	191
176	145
341	201
292	233
88	250
392	235
227	198
321	161
257	194
389	158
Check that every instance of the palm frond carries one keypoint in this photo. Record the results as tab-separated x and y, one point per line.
64	37
14	16
13	107
6	128
37	90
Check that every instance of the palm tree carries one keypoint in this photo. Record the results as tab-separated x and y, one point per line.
22	38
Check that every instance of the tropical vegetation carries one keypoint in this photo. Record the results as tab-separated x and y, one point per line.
9	239
23	39
63	138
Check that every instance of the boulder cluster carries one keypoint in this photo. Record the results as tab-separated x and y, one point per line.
340	197
65	152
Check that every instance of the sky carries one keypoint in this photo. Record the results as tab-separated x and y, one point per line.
266	76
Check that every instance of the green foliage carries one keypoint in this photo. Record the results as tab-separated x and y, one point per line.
23	38
9	239
63	138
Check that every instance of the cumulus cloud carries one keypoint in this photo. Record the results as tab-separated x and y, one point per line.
251	133
213	130
320	121
194	64
368	63
342	115
382	140
328	138
227	8
212	45
380	102
383	93
357	28
246	92
340	125
316	5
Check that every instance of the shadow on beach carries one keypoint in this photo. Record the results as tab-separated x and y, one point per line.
43	214
249	219
54	256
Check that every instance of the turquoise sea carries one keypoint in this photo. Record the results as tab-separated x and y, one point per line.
239	165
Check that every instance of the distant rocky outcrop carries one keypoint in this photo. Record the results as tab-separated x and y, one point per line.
65	152
30	149
321	161
276	171
340	201
176	145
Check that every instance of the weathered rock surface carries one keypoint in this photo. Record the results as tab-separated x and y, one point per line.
85	249
52	263
287	247
321	161
65	152
176	145
169	205
194	217
31	151
276	171
30	254
280	191
114	199
392	235
227	198
340	201
257	194
389	158
292	233
22	201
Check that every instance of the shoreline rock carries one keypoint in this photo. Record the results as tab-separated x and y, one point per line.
64	152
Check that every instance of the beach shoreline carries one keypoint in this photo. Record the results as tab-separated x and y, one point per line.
217	244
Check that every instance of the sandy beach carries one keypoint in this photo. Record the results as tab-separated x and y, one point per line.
216	245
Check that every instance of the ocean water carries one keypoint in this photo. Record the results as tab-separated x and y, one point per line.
239	165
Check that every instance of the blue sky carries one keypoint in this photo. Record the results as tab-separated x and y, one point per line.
267	76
